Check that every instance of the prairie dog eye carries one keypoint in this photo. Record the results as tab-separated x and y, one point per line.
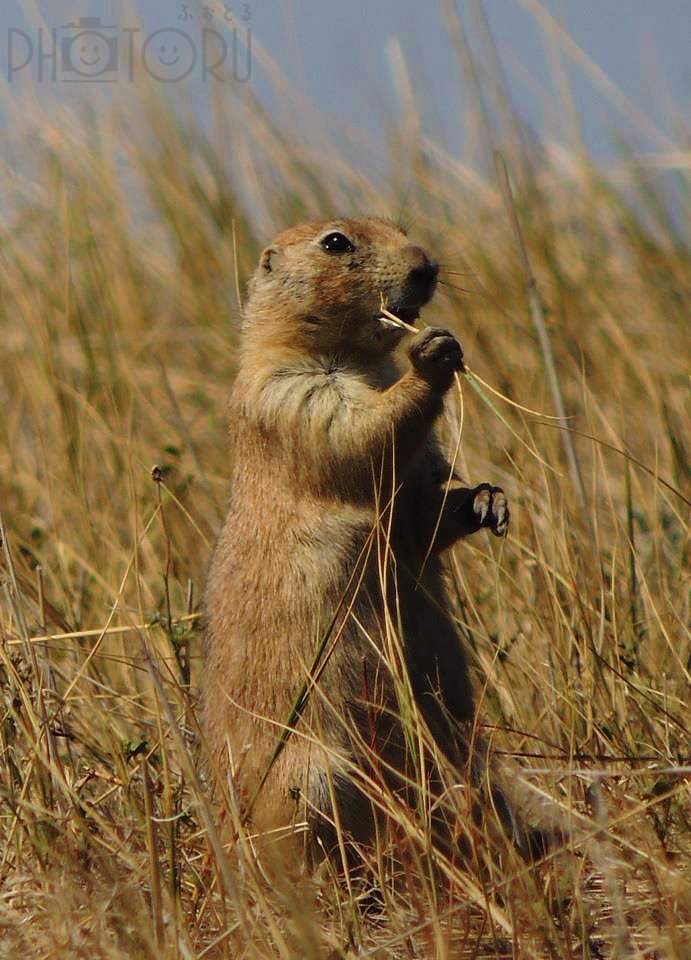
337	243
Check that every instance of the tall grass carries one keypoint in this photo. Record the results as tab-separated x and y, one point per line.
125	245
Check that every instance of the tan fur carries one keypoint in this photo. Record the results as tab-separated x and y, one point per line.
327	422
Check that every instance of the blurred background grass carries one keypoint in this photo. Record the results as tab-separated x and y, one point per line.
126	241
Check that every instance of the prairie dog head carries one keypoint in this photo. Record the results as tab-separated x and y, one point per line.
328	280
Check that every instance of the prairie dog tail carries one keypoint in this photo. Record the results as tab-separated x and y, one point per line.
534	821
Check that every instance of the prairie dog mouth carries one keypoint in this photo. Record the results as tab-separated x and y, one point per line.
402	318
388	322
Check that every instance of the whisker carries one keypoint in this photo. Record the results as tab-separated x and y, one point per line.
453	286
457	273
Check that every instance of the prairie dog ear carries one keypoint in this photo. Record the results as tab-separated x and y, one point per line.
266	260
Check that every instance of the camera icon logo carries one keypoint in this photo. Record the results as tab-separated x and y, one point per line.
90	53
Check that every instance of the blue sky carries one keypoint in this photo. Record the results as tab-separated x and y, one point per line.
340	56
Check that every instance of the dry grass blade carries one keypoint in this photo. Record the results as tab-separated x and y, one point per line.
537	315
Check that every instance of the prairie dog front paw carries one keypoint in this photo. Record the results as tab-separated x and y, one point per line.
483	506
435	355
491	508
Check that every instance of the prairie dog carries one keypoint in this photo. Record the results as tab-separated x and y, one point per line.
339	512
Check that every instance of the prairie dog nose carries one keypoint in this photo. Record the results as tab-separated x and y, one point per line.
422	268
